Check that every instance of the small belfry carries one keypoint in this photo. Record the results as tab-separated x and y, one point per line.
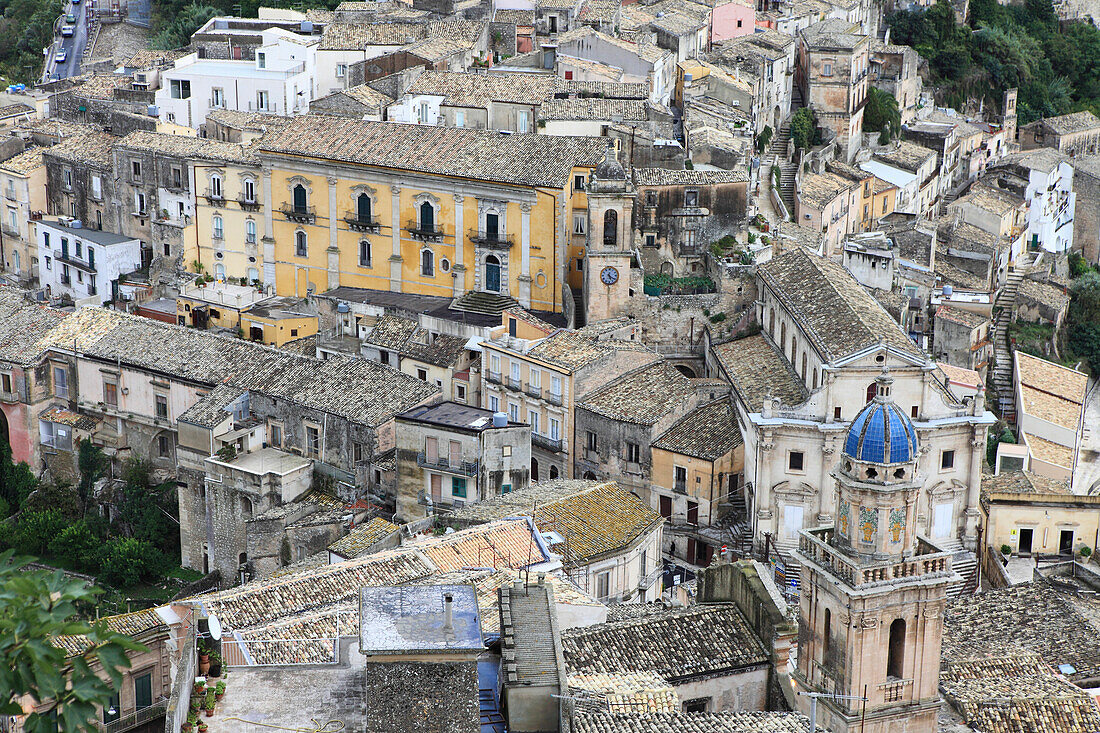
873	591
609	251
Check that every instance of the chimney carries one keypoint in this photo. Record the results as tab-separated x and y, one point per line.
448	612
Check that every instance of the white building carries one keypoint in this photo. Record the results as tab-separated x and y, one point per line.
1046	179
280	80
639	62
799	384
83	263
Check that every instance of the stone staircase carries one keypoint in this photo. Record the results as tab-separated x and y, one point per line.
787	173
1002	355
965	564
489	304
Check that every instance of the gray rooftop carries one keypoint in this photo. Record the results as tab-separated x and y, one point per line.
454	415
90	235
411	619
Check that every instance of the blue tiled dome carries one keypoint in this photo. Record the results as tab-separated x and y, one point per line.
881	433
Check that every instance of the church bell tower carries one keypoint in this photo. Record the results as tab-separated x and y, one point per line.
873	591
609	248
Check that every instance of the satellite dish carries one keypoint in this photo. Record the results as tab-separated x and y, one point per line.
215	628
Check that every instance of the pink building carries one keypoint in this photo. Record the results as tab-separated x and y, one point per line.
732	20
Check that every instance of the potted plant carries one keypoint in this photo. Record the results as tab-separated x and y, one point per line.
215	665
204	660
186	726
219	690
203	727
1006	550
210	705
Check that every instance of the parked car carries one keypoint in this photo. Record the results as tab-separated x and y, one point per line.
66	30
61	55
70	18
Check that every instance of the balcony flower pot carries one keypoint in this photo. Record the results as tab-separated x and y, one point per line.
203	727
210	711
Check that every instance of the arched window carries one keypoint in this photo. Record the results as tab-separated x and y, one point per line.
246	507
250	231
300	204
872	390
427	217
301	246
364	253
826	632
534	471
783	338
771	323
610	227
362	209
219	271
553	472
815	379
492	274
216	187
427	263
253	275
896	659
219	228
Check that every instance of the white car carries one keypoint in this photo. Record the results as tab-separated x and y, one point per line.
60	56
66	30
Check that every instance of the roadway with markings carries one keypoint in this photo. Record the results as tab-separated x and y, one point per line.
73	45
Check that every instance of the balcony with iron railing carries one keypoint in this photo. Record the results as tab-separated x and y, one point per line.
214	199
299	214
248	204
493	377
427	232
491	239
533	390
359	223
513	383
461	468
929	561
554	398
544	441
136	718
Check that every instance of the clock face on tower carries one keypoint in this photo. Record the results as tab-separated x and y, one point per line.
609	276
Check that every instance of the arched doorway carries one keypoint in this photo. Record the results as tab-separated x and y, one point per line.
553	472
534	470
492	274
4	428
589	476
363	208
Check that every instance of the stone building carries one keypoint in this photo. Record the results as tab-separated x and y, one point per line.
679	214
962	338
450	455
1086	217
23	178
873	590
1032	513
80	181
894	71
1077	133
833	64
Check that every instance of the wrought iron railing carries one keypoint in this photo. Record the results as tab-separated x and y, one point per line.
544	441
300	214
462	468
137	717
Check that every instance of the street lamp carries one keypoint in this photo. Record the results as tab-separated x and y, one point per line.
832	696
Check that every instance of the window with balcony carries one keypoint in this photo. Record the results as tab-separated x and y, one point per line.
216	187
555	429
533	420
249	190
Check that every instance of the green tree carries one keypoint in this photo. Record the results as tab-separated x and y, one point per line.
36	605
1084	342
177	32
1084	306
79	544
127	561
147	511
93	463
881	111
804	128
55	497
31	535
16	479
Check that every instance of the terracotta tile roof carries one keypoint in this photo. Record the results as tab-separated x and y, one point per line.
1046	294
391	332
601	721
191	148
569	350
25	162
1050	391
990	198
1017	693
834	33
1073	122
595	108
88	147
580	36
965	318
62	416
360	538
531	160
239	120
438	349
678	644
132	624
708	432
1034	618
905	155
25	327
1048	451
514	16
666	177
503	543
968	377
597	518
365	94
837	313
756	369
821	189
355	36
627	692
1022	482
642	396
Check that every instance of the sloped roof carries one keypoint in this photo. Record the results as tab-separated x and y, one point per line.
708	432
756	369
642	396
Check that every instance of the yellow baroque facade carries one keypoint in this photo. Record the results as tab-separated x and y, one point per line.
229	223
339	222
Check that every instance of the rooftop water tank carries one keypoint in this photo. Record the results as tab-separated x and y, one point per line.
947	291
500	420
